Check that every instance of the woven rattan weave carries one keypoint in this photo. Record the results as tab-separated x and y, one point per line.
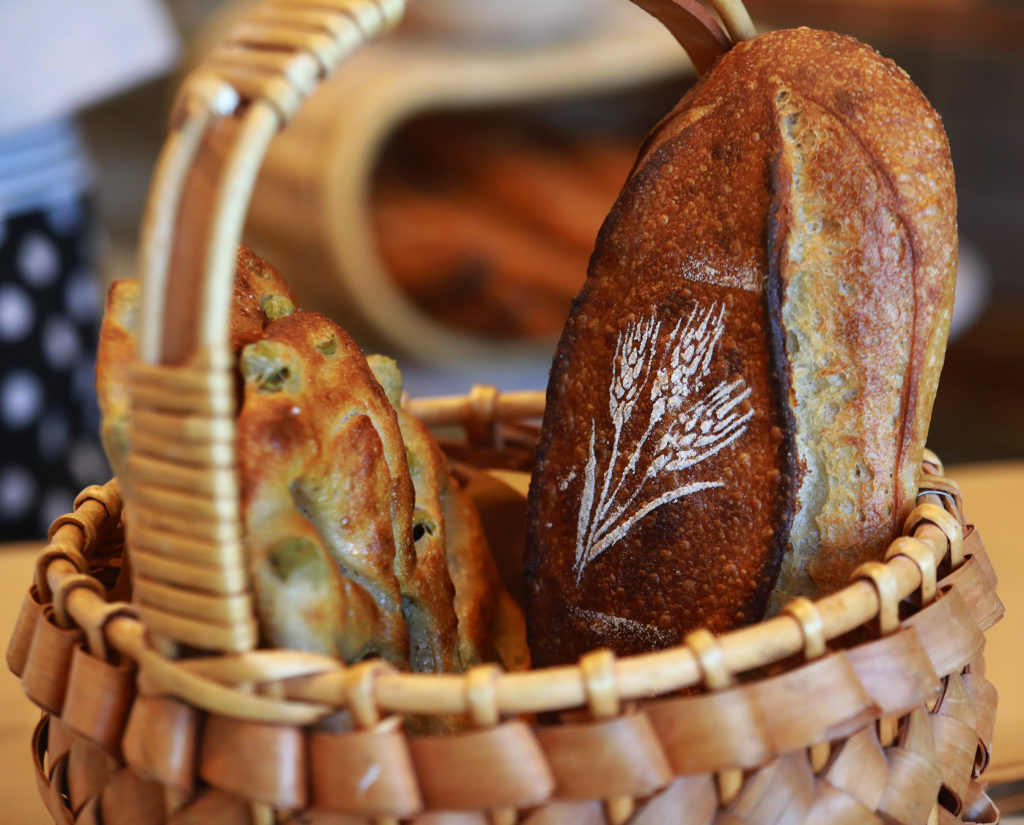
870	705
897	727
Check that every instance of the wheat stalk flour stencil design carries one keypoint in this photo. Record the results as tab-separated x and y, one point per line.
689	420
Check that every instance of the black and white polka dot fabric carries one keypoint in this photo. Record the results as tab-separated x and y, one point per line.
50	306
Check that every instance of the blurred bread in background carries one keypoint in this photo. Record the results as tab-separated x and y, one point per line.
442	193
488	222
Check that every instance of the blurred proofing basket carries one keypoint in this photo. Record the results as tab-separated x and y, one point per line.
870	705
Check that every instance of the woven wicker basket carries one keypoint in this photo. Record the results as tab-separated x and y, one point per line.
870	705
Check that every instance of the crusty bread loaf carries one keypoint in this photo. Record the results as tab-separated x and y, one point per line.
329	479
260	295
739	401
322	472
447	534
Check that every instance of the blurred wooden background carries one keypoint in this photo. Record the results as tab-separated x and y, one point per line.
968	58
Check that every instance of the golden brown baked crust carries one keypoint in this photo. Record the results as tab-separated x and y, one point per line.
114	355
327	493
741	394
431	586
310	449
260	295
469	605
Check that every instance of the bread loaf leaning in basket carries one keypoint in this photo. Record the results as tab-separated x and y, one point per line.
740	398
359	543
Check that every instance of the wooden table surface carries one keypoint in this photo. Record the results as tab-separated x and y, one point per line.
992	494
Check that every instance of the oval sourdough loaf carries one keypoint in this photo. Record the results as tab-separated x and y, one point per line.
739	401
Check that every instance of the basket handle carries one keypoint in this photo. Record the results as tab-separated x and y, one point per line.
228	110
697	30
190	576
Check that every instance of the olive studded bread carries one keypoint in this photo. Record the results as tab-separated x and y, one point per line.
359	543
322	472
260	295
447	533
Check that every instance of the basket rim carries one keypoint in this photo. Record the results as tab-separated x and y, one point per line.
316	685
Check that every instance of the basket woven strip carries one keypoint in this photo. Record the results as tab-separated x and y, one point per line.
200	597
110	742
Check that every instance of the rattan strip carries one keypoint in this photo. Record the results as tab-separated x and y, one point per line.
48	663
203	480
903	775
736	19
331	22
180	380
552	689
89	770
190	503
98	699
167	399
278	93
160	542
459	410
911	780
198	105
186	615
215	453
228	58
186	430
230	202
215	622
215	607
188	515
282	34
196	577
262	667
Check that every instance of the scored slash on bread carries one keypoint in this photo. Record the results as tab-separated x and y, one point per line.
738	405
431	585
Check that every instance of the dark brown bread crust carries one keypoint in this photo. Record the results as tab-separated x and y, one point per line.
801	194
